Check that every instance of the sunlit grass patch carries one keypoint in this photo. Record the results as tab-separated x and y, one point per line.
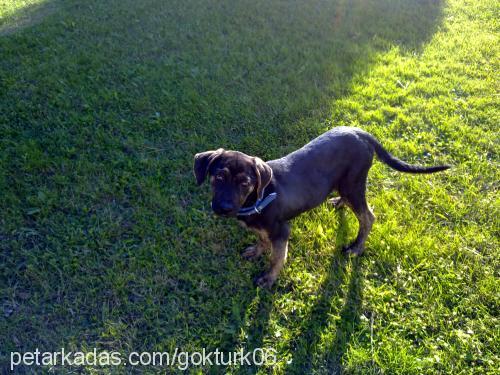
18	14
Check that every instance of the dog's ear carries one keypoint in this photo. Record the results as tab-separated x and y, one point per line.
264	175
202	162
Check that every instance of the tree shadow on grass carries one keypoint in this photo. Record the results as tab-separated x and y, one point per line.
196	74
107	101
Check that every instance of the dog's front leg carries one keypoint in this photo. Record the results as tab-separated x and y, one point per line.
255	251
279	242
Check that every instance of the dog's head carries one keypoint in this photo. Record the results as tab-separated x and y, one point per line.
234	176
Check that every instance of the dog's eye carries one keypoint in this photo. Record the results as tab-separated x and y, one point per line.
219	177
244	183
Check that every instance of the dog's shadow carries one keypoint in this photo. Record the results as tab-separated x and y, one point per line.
306	354
343	282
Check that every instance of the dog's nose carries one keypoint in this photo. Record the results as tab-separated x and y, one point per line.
222	208
226	207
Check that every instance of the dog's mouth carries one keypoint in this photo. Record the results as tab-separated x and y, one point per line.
224	211
226	214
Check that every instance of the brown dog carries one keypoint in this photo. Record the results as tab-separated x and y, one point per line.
266	195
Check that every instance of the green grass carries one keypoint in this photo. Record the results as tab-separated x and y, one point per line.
105	241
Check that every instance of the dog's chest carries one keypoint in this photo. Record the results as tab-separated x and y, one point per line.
258	231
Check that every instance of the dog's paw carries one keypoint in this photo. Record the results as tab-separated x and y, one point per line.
266	280
337	202
353	249
252	252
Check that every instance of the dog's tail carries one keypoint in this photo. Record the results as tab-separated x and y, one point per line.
396	163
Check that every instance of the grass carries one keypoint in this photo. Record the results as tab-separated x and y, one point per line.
19	14
106	241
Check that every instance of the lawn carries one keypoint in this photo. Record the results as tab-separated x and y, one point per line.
106	241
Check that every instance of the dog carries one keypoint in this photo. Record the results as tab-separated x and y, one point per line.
264	196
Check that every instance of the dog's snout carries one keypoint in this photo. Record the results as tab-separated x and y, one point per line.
223	207
226	207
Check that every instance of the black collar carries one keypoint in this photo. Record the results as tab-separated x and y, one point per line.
258	206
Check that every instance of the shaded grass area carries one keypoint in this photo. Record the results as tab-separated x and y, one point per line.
106	242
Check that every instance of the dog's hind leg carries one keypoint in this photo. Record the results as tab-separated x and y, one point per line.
337	202
365	218
353	191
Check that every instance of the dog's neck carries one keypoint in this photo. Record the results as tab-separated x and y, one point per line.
252	198
251	210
